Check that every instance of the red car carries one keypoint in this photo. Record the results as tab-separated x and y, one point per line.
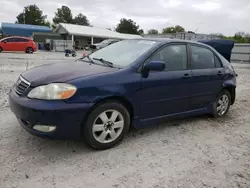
22	44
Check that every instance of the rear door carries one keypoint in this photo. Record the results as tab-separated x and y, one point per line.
167	92
21	44
207	75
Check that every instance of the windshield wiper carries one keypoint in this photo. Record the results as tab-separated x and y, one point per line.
89	59
110	64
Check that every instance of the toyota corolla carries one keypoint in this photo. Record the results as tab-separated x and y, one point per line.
130	83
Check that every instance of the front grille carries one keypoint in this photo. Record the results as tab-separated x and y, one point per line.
21	85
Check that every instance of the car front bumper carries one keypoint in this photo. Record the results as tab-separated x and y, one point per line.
67	117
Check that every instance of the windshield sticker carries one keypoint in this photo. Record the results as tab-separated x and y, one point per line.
147	42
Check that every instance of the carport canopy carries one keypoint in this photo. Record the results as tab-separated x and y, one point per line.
11	29
79	30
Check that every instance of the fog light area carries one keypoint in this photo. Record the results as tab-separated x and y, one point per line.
44	128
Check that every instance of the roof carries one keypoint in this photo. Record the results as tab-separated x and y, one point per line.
166	40
17	37
93	32
23	29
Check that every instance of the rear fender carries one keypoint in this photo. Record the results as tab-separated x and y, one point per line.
230	85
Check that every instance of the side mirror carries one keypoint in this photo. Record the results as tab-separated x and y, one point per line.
152	66
155	66
5	42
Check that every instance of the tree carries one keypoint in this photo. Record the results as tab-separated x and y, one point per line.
153	32
140	32
168	30
127	26
179	28
220	35
174	29
239	37
80	19
63	15
32	15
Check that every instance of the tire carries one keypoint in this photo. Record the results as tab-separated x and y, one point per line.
103	132
222	104
1	49
29	50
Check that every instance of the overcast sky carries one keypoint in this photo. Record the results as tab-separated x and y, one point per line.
214	16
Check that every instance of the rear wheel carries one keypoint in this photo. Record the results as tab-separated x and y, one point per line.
222	104
106	125
29	50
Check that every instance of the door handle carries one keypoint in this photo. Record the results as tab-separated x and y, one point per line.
219	73
186	76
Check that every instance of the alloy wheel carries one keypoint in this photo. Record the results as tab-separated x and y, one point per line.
108	126
222	104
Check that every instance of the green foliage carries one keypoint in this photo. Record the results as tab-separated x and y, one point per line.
153	32
80	19
63	15
173	29
239	37
32	15
128	26
140	32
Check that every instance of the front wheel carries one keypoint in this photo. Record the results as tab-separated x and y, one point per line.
222	104
1	49
106	125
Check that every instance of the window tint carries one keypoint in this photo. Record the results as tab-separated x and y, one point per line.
202	58
125	52
10	40
217	62
21	40
175	57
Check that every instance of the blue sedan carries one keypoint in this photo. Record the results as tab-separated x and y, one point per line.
135	83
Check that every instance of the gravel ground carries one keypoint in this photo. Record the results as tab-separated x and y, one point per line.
195	152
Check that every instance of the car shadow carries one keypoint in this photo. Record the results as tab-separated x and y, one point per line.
55	150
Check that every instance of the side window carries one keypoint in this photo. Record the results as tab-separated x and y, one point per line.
174	56
21	40
10	40
217	62
202	58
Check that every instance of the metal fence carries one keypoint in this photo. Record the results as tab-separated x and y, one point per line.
241	53
183	35
60	45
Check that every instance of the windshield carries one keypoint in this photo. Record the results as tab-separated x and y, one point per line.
123	53
106	41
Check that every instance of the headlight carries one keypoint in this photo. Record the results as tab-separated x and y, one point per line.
53	91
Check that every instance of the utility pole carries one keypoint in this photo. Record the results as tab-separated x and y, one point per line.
24	16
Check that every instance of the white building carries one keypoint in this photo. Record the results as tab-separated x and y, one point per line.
83	35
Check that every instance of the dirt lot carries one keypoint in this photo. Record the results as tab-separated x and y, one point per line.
195	152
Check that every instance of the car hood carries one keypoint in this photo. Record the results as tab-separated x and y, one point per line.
62	72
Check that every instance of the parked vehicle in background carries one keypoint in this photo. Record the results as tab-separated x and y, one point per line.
20	44
103	44
136	83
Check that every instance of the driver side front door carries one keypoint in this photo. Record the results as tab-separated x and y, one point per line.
167	92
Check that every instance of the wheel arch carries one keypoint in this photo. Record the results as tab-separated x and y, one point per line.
28	48
120	99
231	90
